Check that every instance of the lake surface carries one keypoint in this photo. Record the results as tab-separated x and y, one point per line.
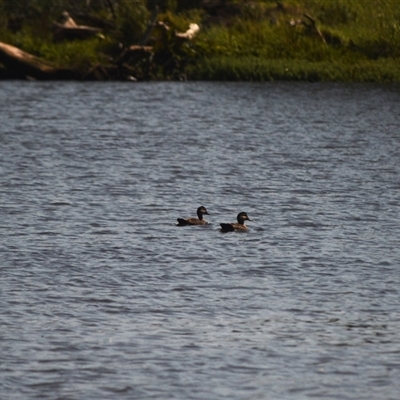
103	297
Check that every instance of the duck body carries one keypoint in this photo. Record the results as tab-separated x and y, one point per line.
236	226
194	221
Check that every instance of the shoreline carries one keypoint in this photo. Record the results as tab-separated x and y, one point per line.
264	41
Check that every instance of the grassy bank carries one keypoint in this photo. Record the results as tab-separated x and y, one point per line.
312	40
257	69
350	41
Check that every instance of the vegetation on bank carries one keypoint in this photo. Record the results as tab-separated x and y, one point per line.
313	40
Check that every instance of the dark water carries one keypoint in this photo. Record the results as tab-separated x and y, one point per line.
103	297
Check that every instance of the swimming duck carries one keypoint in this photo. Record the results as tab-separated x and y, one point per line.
239	226
194	221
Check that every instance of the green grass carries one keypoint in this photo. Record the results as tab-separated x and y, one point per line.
362	43
258	69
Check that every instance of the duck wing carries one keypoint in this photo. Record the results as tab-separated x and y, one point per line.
227	227
182	222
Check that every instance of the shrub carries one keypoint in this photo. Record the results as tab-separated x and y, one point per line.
132	19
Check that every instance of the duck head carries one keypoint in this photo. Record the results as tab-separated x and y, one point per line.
201	211
242	216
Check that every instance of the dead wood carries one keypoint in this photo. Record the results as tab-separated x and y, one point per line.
68	29
25	65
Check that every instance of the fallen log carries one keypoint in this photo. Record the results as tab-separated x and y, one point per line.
23	65
70	30
62	32
130	58
134	53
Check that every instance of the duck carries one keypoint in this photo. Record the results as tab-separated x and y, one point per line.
239	226
194	221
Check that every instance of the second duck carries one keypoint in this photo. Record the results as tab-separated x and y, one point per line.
236	226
